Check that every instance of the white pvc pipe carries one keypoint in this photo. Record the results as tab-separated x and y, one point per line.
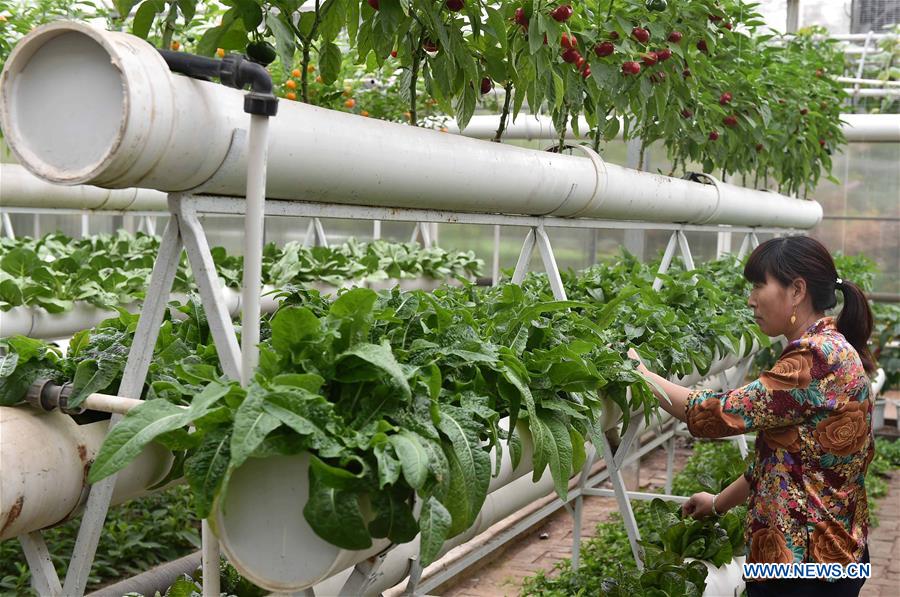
36	322
871	128
21	188
856	128
253	246
134	123
872	92
45	460
877	82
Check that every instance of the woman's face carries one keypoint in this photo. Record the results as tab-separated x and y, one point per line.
772	306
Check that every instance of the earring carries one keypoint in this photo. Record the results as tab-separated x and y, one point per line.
794	317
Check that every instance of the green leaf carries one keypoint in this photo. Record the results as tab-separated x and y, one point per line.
206	467
329	62
252	423
143	18
8	363
393	517
413	457
335	516
369	362
470	468
285	44
93	376
434	522
143	424
132	434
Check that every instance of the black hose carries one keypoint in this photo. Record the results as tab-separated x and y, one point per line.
233	71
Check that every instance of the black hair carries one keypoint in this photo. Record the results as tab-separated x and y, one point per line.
792	257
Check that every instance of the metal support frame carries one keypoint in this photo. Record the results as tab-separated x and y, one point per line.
679	240
750	242
537	236
365	573
315	234
184	230
7	226
423	234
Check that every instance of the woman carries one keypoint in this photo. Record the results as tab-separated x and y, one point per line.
812	416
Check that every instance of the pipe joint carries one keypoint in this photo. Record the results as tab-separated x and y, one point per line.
47	395
232	71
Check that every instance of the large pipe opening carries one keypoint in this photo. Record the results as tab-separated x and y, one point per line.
66	87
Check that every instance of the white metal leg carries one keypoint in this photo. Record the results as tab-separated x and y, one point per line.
315	234
621	494
44	579
495	264
666	260
204	270
422	234
538	236
85	225
366	572
524	257
685	250
723	244
136	367
376	229
670	463
8	227
209	560
415	575
550	265
578	513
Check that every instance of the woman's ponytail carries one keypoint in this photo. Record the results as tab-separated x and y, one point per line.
855	322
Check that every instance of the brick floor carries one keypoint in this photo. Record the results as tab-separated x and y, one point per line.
884	545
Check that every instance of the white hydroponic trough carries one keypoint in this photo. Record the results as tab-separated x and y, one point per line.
857	128
21	188
128	121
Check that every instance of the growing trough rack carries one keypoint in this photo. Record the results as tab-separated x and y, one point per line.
154	129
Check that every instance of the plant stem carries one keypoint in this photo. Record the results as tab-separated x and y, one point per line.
609	12
563	129
641	155
418	51
505	114
169	27
306	44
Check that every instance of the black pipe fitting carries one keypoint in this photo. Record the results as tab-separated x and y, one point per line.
233	71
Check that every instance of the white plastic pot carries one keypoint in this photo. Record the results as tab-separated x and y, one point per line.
260	523
45	461
725	581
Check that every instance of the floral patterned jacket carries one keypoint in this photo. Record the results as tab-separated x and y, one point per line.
813	419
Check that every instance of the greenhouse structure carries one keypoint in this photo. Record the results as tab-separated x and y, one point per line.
449	297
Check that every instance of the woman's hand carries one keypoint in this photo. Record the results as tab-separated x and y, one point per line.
699	505
632	354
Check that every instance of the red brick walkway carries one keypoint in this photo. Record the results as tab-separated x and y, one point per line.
884	545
